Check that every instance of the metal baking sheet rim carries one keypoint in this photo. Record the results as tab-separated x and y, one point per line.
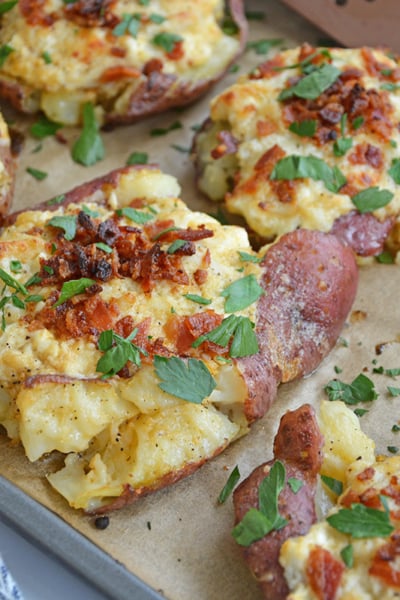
37	522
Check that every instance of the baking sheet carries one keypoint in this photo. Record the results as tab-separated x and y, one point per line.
178	540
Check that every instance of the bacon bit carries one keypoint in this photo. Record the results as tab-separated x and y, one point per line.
324	573
117	51
269	68
266	127
228	144
284	190
200	276
383	564
265	164
34	13
183	331
92	13
375	67
350	498
368	473
119	72
367	154
154	65
177	51
393	489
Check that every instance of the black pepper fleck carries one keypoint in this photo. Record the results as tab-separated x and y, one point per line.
102	522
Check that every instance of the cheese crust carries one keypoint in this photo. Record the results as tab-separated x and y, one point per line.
351	125
163	53
119	430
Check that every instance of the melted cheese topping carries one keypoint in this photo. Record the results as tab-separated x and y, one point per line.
63	58
123	429
257	125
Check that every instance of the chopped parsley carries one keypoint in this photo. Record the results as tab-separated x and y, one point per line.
44	127
167	40
394	170
73	288
36	173
333	484
300	167
263	46
240	329
360	521
129	24
6	6
117	352
343	144
361	389
198	299
189	380
306	128
138	158
347	555
229	485
88	148
313	84
67	223
137	216
371	199
258	522
158	131
5	51
241	293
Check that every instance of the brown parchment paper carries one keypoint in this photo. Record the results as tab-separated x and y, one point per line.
178	540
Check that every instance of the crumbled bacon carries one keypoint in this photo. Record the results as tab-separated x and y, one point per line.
346	95
92	13
183	331
324	573
384	562
177	51
367	154
269	68
119	72
34	13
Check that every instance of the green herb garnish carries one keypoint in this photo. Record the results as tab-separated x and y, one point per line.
306	128
137	216
347	556
263	46
394	170
117	352
6	6
358	121
393	391
361	389
167	40
176	244
385	257
158	131
241	293
44	127
189	380
300	167
138	158
371	199
67	223
229	485
333	484
129	24
73	288
15	266
295	484
313	84
240	329
258	522
105	247
359	521
36	173
5	51
88	148
197	299
252	258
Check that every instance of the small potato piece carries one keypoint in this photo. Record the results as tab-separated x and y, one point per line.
345	442
124	57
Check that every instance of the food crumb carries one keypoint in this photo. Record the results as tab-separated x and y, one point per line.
102	522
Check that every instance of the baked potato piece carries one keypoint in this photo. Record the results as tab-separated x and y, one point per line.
140	338
130	59
301	558
7	168
309	139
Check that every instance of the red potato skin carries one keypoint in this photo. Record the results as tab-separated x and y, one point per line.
298	445
310	281
157	91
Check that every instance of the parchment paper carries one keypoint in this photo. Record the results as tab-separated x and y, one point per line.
178	540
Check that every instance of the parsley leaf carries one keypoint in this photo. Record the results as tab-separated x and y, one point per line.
189	380
129	24
371	199
5	51
385	258
306	128
6	6
252	258
361	522
313	84
229	485
138	158
158	131
295	484
44	127
137	216
361	389
67	223
263	46
241	293
333	484
244	342
198	299
300	167
394	170
88	148
36	173
257	523
117	352
341	146
166	40
347	555
73	288
393	391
